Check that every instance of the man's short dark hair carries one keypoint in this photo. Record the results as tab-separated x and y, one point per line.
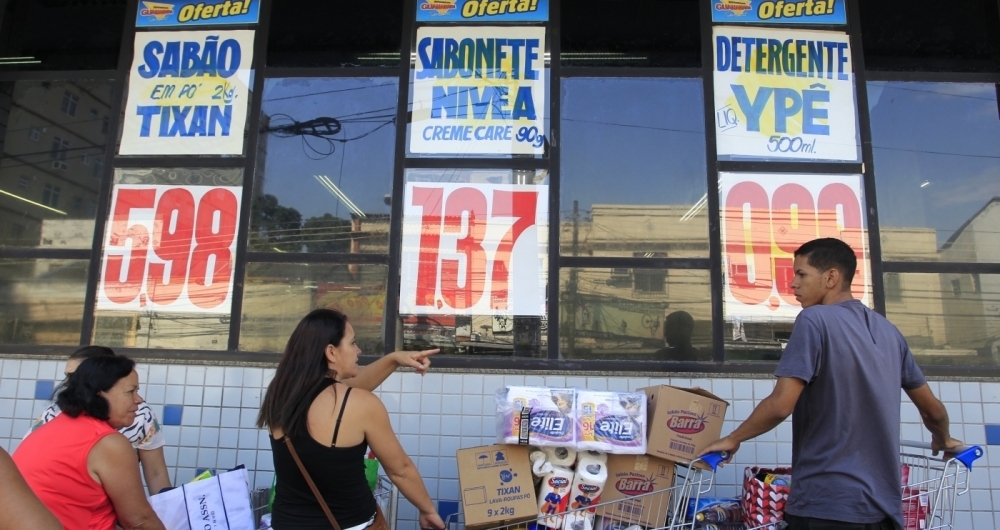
79	394
830	253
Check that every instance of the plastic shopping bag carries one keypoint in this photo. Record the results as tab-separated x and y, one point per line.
764	495
221	502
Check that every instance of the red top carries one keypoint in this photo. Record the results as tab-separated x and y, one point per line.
53	460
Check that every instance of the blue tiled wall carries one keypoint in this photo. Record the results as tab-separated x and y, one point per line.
208	415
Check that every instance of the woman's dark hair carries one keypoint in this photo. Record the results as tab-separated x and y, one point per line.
79	394
87	352
301	372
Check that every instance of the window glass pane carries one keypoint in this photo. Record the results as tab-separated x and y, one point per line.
949	319
43	300
637	33
635	314
278	295
325	33
326	161
166	278
60	35
475	261
965	37
937	170
633	168
52	161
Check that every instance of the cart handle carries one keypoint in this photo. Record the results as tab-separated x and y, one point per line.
715	459
966	454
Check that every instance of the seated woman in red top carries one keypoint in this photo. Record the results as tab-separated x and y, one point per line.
79	465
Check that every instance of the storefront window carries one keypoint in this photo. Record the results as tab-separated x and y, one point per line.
635	314
52	162
324	33
647	33
168	259
633	168
949	319
46	35
43	300
475	261
937	169
278	295
324	182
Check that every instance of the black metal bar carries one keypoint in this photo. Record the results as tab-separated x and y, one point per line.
327	71
477	162
933	77
554	35
62	75
937	267
789	167
617	71
635	263
712	166
302	257
45	253
867	155
107	179
130	162
391	312
249	167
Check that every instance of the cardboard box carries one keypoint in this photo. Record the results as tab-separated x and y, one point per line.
497	488
682	421
632	475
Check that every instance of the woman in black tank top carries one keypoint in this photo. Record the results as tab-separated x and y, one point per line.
331	426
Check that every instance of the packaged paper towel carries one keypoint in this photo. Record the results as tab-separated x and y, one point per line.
613	422
553	496
537	415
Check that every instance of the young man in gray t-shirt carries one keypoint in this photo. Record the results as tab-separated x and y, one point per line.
839	377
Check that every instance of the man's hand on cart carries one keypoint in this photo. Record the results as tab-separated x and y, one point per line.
949	446
724	445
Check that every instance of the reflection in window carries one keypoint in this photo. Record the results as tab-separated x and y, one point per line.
176	323
278	295
950	319
465	294
324	33
650	315
43	300
633	170
61	35
43	147
937	166
325	183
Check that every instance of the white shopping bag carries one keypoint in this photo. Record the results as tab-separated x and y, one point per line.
218	503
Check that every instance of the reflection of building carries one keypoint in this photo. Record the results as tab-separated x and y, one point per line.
52	162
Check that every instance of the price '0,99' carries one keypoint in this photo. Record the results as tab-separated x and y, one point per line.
170	248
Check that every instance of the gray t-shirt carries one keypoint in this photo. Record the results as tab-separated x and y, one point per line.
845	428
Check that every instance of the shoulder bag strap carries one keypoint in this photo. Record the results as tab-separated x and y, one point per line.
312	485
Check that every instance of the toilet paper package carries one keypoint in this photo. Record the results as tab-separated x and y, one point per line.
560	456
537	415
553	496
588	483
613	422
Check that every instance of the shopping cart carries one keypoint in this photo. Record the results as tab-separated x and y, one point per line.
386	495
931	486
691	481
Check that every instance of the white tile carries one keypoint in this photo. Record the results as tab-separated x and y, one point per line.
762	388
226	459
680	382
742	389
970	392
253	377
451	383
972	413
24	409
251	398
430	425
576	382
471	426
207	457
428	467
597	383
210	416
191	416
209	437
490	383
267	377
908	413
248	439
8	388
174	395
265	462
47	370
392	383
192	395
157	374
6	408
990	392
26	389
429	445
190	436
154	394
11	369
409	424
29	370
171	435
991	414
411	383
215	376
234	376
982	520
231	397
263	479
618	384
230	417
430	403
5	428
410	404
212	396
950	392
451	404
723	388
248	419
390	401
195	375
229	438
263	440
513	380
176	374
170	455
187	457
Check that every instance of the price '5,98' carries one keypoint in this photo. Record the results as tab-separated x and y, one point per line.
170	248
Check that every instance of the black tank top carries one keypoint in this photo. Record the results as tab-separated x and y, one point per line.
339	474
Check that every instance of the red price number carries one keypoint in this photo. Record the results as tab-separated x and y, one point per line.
191	243
755	223
466	212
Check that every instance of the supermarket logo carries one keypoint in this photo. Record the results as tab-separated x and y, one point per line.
442	7
558	482
634	486
734	7
686	424
156	10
